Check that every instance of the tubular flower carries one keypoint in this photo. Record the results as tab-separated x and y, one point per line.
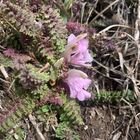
76	51
78	82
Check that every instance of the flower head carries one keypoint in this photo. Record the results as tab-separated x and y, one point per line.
76	51
78	82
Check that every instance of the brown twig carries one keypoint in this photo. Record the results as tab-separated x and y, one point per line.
62	7
45	67
137	39
133	112
3	71
128	127
32	120
112	26
103	11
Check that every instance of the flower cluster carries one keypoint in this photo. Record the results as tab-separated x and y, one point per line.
77	54
76	51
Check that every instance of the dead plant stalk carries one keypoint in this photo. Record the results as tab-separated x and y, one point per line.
137	39
32	120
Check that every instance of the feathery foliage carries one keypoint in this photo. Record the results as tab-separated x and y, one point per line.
54	27
21	20
113	96
71	112
63	131
15	112
19	134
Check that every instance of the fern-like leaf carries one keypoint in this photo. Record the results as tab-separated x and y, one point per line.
72	112
55	27
113	96
15	113
22	20
22	106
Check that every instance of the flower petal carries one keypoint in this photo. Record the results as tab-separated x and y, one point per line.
81	96
88	57
87	94
78	82
73	92
74	89
83	45
76	51
73	73
71	38
87	82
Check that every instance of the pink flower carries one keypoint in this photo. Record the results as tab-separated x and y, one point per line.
78	82
76	51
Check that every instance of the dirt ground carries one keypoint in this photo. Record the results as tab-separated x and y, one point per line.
108	123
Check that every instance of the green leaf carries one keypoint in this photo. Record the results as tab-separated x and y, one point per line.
45	109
